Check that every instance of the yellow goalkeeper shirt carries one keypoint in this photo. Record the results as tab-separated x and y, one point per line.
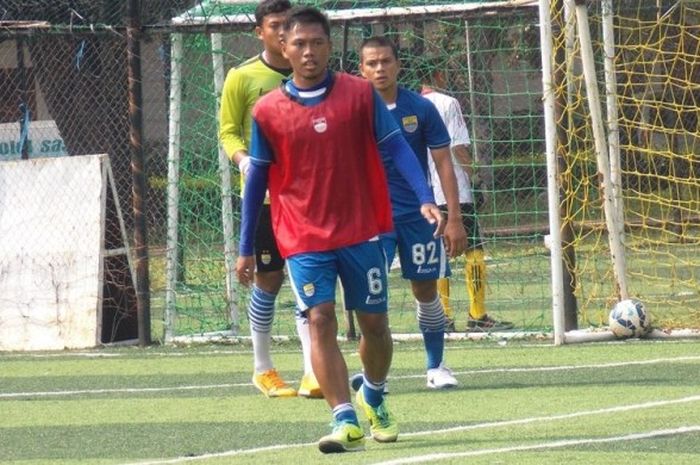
243	86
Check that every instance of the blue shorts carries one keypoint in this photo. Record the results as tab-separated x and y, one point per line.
360	267
422	256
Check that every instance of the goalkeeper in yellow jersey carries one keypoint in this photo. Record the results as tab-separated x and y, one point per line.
243	87
433	80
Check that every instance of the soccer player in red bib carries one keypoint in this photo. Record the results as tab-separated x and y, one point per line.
315	145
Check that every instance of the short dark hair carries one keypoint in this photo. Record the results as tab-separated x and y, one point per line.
268	7
379	41
304	14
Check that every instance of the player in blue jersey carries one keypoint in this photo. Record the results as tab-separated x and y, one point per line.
423	258
317	183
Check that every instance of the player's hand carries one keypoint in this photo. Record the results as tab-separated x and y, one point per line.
244	165
455	238
433	215
245	269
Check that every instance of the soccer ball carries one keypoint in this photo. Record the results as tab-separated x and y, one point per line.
629	318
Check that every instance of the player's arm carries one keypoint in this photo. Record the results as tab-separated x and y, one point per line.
253	198
464	159
455	235
408	166
232	114
459	136
461	142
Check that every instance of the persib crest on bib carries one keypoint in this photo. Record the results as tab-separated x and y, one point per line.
320	124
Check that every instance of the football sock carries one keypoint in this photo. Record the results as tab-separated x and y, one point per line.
431	321
373	392
345	413
261	311
443	286
305	337
475	275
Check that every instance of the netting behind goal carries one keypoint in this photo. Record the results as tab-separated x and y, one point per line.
492	65
64	92
657	67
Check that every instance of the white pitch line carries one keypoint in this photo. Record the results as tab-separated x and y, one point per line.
565	416
458	373
236	452
544	445
687	358
119	390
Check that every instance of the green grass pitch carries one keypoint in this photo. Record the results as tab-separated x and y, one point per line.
521	402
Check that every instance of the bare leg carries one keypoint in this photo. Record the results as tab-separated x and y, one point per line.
269	281
424	291
327	360
376	346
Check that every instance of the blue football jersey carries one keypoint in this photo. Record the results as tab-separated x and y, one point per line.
424	129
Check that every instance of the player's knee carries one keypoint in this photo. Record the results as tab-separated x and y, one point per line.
424	291
322	320
374	325
269	281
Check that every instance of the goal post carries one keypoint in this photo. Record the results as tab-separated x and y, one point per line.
633	188
610	193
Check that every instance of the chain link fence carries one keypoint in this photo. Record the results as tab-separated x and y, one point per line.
63	88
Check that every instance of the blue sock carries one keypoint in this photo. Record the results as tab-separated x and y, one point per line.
373	392
434	347
345	413
431	321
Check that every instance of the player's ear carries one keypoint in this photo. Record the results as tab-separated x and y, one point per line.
361	68
258	32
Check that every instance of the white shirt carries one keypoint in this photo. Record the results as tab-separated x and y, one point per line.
451	114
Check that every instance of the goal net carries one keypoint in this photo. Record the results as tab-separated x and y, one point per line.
489	52
649	92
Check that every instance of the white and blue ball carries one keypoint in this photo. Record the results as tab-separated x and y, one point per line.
629	318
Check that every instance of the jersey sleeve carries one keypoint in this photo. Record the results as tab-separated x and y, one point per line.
253	197
408	166
384	123
436	135
232	114
260	150
456	126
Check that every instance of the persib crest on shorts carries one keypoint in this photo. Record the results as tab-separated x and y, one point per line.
320	124
309	289
410	123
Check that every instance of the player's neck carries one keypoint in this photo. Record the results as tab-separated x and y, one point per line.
300	82
275	60
390	94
